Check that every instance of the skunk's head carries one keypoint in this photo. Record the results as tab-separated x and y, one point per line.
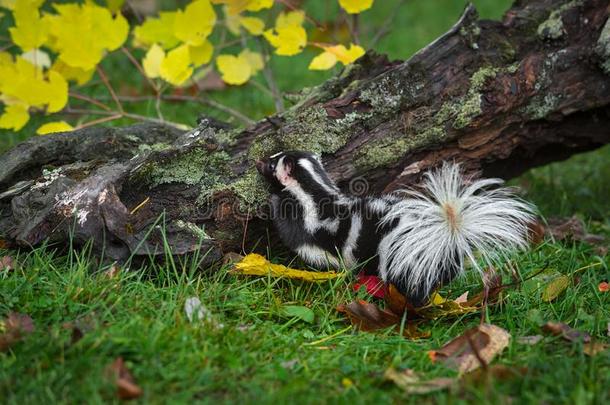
292	168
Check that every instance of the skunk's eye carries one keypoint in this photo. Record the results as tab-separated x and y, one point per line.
272	166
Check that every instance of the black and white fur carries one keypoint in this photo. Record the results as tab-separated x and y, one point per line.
414	240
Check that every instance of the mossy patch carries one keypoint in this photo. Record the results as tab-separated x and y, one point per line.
552	27
541	106
196	166
603	47
431	128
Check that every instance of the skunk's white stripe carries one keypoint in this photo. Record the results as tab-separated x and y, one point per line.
276	155
351	243
311	219
308	166
317	256
448	223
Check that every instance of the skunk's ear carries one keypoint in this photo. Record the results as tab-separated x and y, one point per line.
289	164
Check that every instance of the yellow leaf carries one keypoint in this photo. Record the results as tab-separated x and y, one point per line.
234	69
355	6
290	18
344	55
555	288
55	93
195	23
176	67
157	31
287	41
152	61
323	61
231	21
253	25
256	265
257	5
26	83
202	54
78	75
81	34
30	30
9	4
38	58
288	37
255	60
51	127
15	116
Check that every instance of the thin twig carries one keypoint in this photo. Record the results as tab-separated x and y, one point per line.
268	74
137	65
387	24
100	121
104	78
292	7
89	100
355	29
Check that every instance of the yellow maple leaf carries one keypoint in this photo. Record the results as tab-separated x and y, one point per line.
201	54
257	5
83	33
253	25
15	116
78	75
25	83
255	60
30	30
334	54
355	6
193	25
52	127
234	69
176	66
157	30
152	61
288	37
256	265
323	61
235	7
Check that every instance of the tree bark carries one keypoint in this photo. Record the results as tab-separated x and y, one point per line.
499	96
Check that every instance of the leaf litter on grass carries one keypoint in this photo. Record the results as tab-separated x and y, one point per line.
14	328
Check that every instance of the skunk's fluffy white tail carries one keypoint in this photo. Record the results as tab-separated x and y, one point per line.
441	227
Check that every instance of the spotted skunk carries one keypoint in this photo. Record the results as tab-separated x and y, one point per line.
415	240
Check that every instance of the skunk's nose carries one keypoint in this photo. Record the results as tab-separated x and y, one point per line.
260	165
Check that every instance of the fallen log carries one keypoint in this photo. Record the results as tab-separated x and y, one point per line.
499	96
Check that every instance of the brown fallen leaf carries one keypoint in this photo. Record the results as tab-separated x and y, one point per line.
124	381
594	348
566	332
476	347
14	328
7	263
411	383
231	258
603	286
462	299
529	340
369	317
555	288
496	372
572	228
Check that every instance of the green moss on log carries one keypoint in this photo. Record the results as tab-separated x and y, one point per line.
552	27
603	47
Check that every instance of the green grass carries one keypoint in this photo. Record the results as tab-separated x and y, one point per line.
140	314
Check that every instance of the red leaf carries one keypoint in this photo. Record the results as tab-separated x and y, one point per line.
603	286
374	285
